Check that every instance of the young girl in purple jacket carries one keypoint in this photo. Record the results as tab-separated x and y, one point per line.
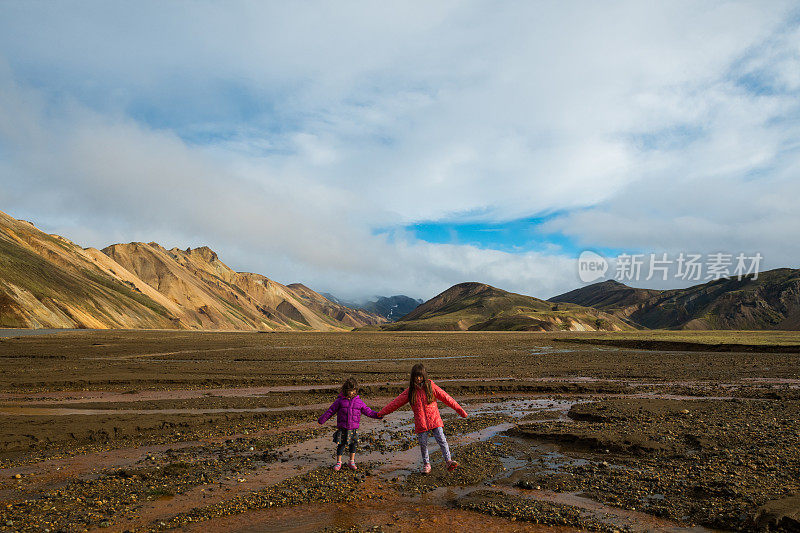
348	407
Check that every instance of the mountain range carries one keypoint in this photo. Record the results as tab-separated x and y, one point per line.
390	307
479	307
47	281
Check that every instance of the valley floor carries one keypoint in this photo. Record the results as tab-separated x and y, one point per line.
195	431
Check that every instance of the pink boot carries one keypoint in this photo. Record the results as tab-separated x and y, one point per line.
337	466
352	465
426	469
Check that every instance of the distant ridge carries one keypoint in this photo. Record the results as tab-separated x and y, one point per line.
47	281
772	301
389	307
477	306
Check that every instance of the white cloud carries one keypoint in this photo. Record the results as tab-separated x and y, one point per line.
286	135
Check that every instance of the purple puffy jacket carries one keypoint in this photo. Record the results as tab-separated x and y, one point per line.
348	412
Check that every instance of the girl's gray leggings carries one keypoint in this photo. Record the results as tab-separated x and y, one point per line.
438	434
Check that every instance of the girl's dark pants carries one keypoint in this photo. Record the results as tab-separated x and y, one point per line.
348	440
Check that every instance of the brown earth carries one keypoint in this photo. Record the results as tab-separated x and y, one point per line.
144	430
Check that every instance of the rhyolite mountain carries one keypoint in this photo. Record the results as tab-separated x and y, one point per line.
479	307
47	281
771	301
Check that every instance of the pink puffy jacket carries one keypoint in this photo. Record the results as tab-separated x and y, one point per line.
426	415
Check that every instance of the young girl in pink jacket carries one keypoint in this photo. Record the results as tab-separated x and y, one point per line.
422	394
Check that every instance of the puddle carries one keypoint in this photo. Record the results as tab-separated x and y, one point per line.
576	379
401	420
156	354
186	394
378	359
150	395
519	408
59	411
552	462
549	350
657	396
776	381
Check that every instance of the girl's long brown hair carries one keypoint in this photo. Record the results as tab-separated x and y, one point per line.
419	370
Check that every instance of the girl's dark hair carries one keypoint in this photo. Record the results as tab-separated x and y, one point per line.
349	384
419	370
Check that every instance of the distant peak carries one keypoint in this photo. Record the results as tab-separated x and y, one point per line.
123	245
302	288
204	252
472	286
610	283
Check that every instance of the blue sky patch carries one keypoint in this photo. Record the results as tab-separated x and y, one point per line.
514	236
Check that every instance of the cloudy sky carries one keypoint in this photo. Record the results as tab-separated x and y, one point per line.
401	147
